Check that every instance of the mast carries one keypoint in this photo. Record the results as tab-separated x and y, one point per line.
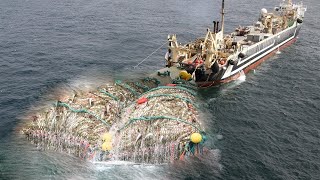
222	17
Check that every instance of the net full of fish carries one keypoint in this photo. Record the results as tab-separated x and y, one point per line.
130	121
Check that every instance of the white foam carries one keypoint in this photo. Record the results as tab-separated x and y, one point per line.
113	162
242	77
219	136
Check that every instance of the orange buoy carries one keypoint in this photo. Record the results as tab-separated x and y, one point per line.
171	85
201	61
196	138
185	75
142	100
222	62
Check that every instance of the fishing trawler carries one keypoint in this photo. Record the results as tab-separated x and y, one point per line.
219	58
144	122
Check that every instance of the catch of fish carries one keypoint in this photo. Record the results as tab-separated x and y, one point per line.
139	121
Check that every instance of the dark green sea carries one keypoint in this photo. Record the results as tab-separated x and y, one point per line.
266	127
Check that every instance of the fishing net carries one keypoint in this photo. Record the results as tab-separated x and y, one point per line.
131	121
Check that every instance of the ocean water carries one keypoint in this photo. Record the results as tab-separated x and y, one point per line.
265	126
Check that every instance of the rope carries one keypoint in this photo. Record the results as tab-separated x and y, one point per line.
188	86
81	111
152	118
170	87
108	94
156	81
149	56
144	87
175	96
124	85
166	73
168	95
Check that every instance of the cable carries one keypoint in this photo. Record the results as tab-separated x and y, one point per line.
149	56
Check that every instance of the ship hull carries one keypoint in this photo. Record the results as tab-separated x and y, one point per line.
280	41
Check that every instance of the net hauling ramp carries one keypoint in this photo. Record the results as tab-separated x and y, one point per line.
129	121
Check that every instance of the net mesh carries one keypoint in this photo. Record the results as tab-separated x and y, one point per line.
154	130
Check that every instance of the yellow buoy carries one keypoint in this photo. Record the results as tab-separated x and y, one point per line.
106	146
107	137
196	138
185	75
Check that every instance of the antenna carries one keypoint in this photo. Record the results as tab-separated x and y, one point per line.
222	17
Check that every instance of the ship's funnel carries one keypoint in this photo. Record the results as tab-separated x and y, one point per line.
217	27
222	17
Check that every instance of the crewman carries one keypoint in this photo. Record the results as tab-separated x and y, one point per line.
168	58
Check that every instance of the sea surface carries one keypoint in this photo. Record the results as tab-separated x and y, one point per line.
264	127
